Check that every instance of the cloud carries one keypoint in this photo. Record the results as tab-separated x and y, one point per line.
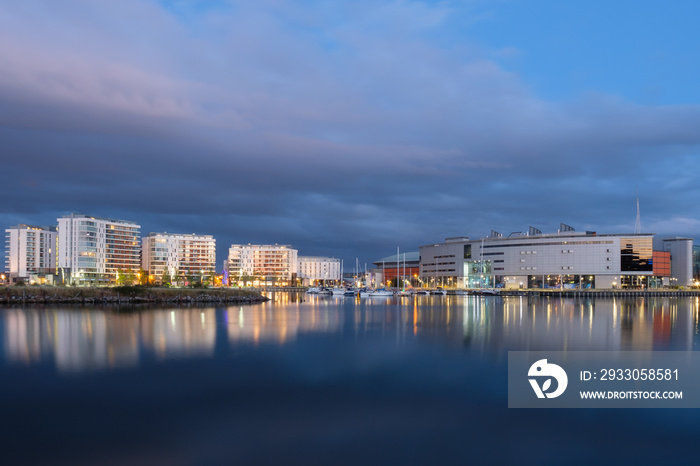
334	126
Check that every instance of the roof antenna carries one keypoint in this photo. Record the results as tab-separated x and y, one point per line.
638	223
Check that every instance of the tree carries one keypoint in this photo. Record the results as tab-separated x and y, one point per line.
142	277
126	277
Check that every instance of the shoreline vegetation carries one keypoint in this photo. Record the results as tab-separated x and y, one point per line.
126	294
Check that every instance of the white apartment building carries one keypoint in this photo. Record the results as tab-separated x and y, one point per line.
30	250
318	269
566	259
274	263
94	250
178	255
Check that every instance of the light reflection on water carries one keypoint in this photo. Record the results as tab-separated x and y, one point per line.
80	339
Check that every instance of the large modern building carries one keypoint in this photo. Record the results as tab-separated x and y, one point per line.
94	250
566	259
314	270
174	255
30	251
264	264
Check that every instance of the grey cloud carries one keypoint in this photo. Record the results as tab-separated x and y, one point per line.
349	132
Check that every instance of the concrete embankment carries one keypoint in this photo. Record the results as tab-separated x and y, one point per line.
606	293
126	294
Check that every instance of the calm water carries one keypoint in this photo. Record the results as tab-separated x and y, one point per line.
316	380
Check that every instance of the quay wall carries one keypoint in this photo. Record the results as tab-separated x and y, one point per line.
126	294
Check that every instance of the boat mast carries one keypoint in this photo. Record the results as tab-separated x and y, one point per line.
403	284
398	268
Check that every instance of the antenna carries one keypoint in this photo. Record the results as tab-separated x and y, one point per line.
638	223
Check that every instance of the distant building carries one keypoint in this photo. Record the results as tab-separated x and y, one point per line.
405	266
30	251
314	270
176	255
94	250
566	259
262	264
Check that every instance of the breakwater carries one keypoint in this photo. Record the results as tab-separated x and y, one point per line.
126	295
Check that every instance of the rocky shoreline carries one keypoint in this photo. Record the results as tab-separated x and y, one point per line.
126	295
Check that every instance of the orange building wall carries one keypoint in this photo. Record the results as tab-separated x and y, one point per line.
390	273
661	263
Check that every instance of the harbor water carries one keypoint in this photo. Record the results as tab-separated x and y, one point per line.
305	379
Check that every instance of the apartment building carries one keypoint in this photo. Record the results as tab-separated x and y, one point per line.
269	263
176	255
312	270
30	251
93	250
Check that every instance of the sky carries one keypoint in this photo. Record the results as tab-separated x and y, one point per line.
348	128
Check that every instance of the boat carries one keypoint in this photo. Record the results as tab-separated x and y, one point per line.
439	292
351	292
421	292
380	293
325	291
313	290
338	291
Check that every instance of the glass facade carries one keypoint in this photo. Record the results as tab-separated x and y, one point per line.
636	255
477	274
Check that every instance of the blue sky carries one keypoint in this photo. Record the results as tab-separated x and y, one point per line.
348	128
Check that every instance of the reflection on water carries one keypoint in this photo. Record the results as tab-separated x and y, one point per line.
81	339
85	339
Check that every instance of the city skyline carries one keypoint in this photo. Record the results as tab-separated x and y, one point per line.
350	128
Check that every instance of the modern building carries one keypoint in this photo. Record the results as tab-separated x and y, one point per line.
404	265
566	259
93	251
178	255
318	270
262	264
30	252
681	251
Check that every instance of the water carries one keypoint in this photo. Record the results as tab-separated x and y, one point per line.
322	380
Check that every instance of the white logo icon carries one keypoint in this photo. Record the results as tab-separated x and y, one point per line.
543	369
